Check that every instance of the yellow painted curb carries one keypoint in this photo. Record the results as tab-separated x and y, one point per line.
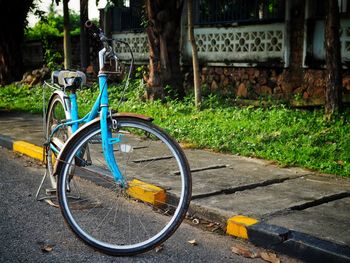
237	226
146	192
28	149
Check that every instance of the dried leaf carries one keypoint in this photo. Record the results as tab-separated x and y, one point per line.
159	248
269	257
244	251
210	225
49	201
193	242
47	248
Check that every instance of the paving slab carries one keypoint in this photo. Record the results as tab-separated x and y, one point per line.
263	201
22	126
330	221
229	173
238	164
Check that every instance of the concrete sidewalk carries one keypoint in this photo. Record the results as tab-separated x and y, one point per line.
290	210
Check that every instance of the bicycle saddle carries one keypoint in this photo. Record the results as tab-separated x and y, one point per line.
68	79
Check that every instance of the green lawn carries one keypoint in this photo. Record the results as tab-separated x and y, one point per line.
290	137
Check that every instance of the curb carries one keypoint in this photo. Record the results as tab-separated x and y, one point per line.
293	243
297	244
289	242
22	147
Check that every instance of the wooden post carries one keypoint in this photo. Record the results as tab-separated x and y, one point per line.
84	46
66	36
195	64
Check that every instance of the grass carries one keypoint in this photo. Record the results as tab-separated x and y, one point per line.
290	137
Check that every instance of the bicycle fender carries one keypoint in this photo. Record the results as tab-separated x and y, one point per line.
93	122
134	115
64	98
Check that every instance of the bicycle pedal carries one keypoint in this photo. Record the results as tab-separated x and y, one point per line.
50	191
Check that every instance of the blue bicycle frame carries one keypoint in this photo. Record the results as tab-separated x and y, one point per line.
100	107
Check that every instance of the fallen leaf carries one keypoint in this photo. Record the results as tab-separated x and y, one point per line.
47	248
269	257
193	242
159	248
210	225
244	251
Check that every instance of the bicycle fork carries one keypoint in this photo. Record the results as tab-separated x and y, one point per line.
106	134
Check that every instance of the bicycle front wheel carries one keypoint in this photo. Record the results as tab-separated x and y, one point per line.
124	220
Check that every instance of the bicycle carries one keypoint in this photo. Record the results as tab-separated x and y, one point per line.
123	184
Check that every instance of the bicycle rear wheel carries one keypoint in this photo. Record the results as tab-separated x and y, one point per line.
134	219
55	115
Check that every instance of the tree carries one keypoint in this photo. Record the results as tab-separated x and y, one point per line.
51	25
196	81
66	36
163	32
333	102
13	16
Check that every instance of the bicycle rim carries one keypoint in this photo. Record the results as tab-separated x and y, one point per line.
123	221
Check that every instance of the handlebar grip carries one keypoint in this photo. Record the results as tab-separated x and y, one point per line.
92	28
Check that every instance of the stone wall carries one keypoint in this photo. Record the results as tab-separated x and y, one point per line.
265	83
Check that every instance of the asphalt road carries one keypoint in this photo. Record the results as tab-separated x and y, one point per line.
32	231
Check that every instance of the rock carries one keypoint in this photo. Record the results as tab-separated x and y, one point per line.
262	80
203	79
28	79
245	77
222	77
251	72
256	73
219	71
242	91
299	90
319	92
306	95
226	82
35	76
264	90
214	86
346	82
226	72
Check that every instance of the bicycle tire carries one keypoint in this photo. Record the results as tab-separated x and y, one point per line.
55	115
95	202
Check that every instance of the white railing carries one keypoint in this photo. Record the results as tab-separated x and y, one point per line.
243	44
138	43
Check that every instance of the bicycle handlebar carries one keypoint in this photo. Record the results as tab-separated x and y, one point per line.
98	33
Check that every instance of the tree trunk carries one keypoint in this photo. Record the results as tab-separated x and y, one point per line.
333	102
67	49
84	51
164	39
196	80
12	20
